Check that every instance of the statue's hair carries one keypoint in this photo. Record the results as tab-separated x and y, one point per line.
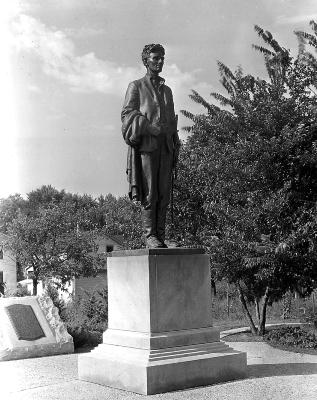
151	48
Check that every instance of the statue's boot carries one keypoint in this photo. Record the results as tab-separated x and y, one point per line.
161	221
149	226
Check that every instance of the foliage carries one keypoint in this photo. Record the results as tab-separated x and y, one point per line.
122	217
57	232
292	337
9	209
51	242
86	318
311	316
227	310
307	60
106	215
247	183
20	291
52	292
228	313
2	288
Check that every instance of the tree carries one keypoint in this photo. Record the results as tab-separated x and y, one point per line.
121	217
54	245
9	209
307	62
248	180
45	196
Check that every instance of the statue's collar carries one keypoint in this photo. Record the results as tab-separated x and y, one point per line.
158	79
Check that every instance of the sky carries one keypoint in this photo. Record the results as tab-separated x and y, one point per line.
65	66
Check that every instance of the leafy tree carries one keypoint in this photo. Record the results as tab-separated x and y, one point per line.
307	62
54	245
108	214
45	196
55	231
248	180
121	217
9	209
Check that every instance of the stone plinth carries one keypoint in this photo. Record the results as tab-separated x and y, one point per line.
160	335
31	327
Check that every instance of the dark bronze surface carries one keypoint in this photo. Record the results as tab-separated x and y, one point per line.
24	322
149	127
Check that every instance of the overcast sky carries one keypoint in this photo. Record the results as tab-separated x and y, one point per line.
67	63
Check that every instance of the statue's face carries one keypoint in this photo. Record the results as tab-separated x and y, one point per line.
155	62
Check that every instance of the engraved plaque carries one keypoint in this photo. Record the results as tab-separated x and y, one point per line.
24	322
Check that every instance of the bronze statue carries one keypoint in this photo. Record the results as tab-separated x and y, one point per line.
149	127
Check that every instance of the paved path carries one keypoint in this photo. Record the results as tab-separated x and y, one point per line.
272	374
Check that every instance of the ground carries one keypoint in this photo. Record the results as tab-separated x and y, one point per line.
272	374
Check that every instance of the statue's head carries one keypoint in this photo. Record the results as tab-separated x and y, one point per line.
153	57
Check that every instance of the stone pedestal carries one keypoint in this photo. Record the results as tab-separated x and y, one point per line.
160	336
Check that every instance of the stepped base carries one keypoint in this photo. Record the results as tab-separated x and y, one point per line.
159	340
153	371
160	336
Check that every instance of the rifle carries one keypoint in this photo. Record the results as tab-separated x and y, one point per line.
174	176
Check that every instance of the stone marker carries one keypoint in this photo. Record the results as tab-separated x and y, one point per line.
31	327
160	335
24	322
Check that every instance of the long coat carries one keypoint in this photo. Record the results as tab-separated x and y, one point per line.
141	109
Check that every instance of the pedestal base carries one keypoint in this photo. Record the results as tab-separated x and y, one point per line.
160	335
163	370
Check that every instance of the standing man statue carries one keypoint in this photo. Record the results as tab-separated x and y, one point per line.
149	127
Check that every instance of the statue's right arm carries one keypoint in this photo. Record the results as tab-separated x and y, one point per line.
131	101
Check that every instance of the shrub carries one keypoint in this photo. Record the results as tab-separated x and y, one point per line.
20	291
292	337
86	318
52	292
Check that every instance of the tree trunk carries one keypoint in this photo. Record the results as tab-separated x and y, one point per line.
246	311
213	286
261	328
257	310
35	282
228	301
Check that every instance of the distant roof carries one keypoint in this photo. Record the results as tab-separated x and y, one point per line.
115	238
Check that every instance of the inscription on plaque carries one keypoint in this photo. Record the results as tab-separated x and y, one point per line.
24	322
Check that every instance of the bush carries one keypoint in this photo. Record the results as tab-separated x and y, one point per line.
52	292
86	318
20	291
295	337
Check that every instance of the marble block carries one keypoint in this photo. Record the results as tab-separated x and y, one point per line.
31	327
160	335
